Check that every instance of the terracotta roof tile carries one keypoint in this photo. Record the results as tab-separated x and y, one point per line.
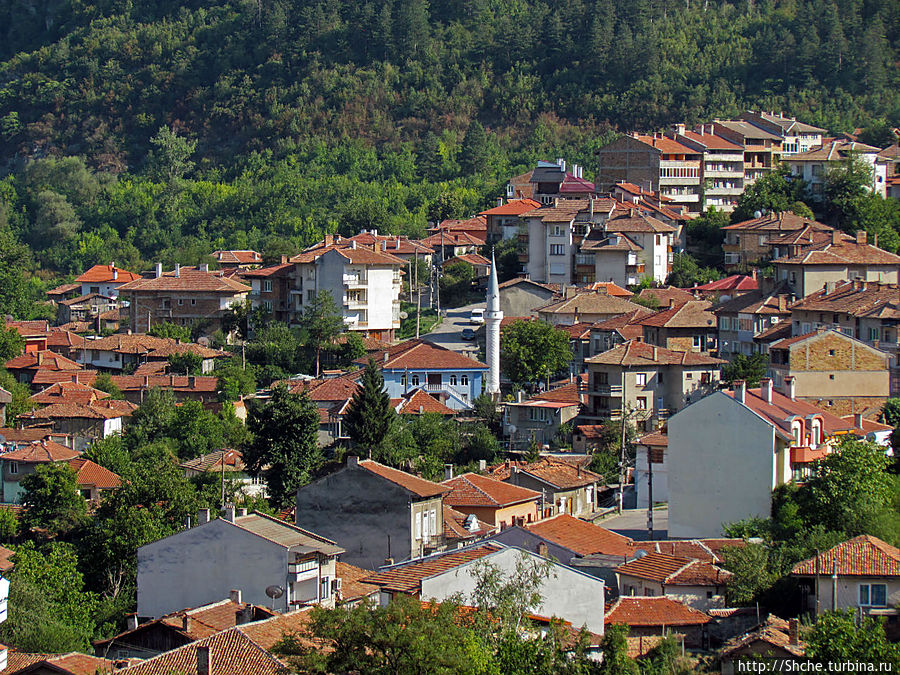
777	223
352	585
610	288
63	289
862	556
407	577
326	389
213	461
691	314
201	383
237	257
666	295
6	564
654	611
656	439
106	409
90	474
781	408
581	537
707	550
736	282
45	360
471	489
41	451
568	393
846	252
394	244
28	328
634	221
590	303
713	142
189	280
666	145
774	632
474	259
852	297
636	353
514	207
455	526
421	354
555	472
269	632
446	238
419	401
73	663
418	486
68	392
105	273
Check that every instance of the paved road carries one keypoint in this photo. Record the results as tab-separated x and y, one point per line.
448	334
633	523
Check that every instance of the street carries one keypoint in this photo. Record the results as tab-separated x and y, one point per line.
633	523
449	333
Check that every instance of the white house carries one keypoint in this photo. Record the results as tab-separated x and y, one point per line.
650	464
364	283
105	280
813	165
246	552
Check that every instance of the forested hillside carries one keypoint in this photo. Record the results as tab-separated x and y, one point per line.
293	117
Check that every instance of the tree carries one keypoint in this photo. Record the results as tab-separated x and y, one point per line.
485	408
52	501
475	151
750	368
104	382
370	414
879	134
170	158
844	184
686	272
322	322
11	344
189	363
704	236
533	351
505	600
284	446
21	396
169	330
837	638
153	419
772	192
614	647
233	381
456	283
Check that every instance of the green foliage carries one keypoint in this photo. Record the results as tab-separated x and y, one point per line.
750	368
276	352
186	363
836	638
170	157
704	236
284	443
456	284
52	501
614	647
533	351
167	329
9	525
104	382
486	409
686	272
21	396
775	191
322	323
370	414
233	381
844	185
11	344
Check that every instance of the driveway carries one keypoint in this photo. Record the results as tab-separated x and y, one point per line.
448	333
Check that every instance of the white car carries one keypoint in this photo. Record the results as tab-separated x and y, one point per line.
477	316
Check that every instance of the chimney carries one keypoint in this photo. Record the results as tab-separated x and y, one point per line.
765	387
790	386
740	390
679	129
520	396
229	513
202	516
115	273
204	667
147	381
397	244
655	353
158	270
284	259
352	460
858	420
353	244
240	513
499	201
794	631
862	237
171	380
482	465
185	623
177	270
204	267
835	236
192	380
542	549
235	596
448	471
131	621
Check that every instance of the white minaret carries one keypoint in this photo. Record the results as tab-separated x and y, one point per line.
492	318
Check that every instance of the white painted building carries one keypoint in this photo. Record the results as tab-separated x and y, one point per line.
364	283
249	553
650	461
813	165
105	280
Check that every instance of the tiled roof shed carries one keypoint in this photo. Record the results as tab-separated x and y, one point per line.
654	611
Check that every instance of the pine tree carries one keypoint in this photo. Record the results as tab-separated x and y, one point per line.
474	152
370	414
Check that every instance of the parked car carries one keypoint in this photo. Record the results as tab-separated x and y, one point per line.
468	334
477	316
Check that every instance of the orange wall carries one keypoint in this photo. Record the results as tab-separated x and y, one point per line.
497	516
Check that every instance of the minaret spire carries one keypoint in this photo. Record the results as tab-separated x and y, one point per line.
492	318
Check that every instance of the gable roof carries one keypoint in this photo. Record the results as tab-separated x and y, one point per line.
474	259
417	486
105	273
420	354
237	257
394	244
106	409
471	489
675	571
778	223
513	207
636	221
75	392
419	401
862	556
833	150
188	280
455	525
757	302
665	144
782	409
73	663
90	474
637	353
666	295
847	251
555	472
736	282
610	288
44	359
216	461
590	302
407	577
707	550
859	298
692	314
774	632
39	452
653	611
286	534
581	537
352	585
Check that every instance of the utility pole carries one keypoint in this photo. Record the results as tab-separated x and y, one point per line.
437	275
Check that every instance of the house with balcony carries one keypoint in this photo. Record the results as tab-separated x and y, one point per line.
728	451
454	379
248	552
503	221
104	280
587	307
840	258
762	149
748	242
364	283
647	382
183	296
538	419
796	137
374	512
686	327
743	318
863	571
565	485
813	165
270	290
722	170
838	373
654	240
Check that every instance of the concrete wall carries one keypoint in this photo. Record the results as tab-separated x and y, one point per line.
692	596
567	593
367	515
721	467
610	266
848	591
522	299
502	517
201	565
537	251
660	478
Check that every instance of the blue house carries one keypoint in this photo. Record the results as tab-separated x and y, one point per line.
416	364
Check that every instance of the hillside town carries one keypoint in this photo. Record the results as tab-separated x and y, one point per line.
650	414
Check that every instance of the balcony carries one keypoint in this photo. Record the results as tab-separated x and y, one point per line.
303	570
457	390
631	259
804	455
635	269
355	280
606	390
354	302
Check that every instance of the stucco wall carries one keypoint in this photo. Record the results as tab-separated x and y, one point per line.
721	467
848	591
522	299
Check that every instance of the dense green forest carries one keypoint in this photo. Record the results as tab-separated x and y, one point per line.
137	132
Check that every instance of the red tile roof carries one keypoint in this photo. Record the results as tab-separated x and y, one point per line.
635	221
513	207
184	383
581	537
213	461
106	409
28	328
446	238
352	585
104	274
781	222
6	564
327	389
654	611
475	224
407	577
45	360
421	354
189	280
862	556
589	302
846	252
656	439
419	401
68	392
778	412
269	632
455	526
707	550
555	472
90	474
674	571
691	314
394	244
265	272
666	145
41	451
636	353
590	430
418	486
736	282
610	288
473	259
713	141
471	489
73	663
237	257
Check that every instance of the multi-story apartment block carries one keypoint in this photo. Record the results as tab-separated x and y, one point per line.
749	241
685	327
270	289
722	170
647	381
813	165
503	221
363	282
742	318
653	259
183	296
654	162
796	136
762	149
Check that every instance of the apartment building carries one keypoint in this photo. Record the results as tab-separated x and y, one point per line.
762	149
270	289
743	318
796	137
364	283
684	327
749	241
813	165
722	170
649	382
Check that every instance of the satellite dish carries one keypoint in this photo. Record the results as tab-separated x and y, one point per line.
274	592
512	428
757	214
404	315
637	556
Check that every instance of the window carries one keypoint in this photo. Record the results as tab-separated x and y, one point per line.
640	379
724	323
464	380
267	286
180	301
872	595
193	301
325	588
417	526
415	380
641	402
14	467
601	378
310	294
830	352
267	305
831	376
403	380
557	249
557	231
453	379
709	595
698	342
873	333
